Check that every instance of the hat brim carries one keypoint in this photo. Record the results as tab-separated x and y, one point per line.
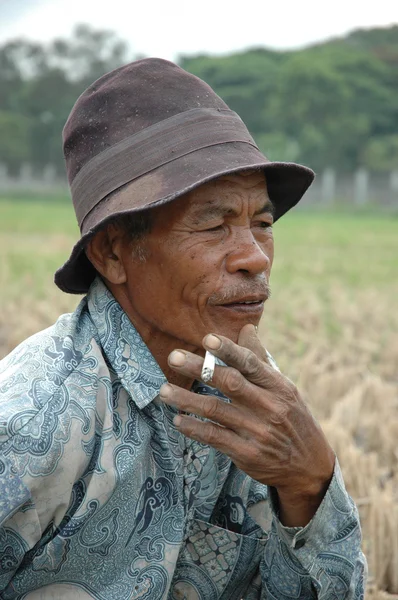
286	183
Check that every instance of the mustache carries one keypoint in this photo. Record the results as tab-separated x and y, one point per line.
257	286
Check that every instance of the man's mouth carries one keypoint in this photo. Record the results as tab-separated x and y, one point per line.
245	305
241	300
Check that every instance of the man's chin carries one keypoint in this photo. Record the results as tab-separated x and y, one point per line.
232	317
232	329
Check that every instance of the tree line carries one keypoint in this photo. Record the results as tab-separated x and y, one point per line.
333	104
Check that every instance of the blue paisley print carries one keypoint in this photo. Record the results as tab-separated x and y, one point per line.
101	497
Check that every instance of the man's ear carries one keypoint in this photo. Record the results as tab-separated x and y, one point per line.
105	252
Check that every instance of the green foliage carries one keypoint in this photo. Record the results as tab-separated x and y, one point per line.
382	153
14	139
329	105
322	105
39	85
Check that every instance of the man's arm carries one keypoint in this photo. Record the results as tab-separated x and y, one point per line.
325	555
320	561
19	529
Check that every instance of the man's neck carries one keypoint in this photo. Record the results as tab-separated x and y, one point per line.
159	343
160	347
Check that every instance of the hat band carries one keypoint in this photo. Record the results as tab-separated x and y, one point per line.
151	148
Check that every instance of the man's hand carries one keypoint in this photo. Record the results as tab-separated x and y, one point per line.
267	430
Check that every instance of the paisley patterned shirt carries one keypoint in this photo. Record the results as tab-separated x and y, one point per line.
101	497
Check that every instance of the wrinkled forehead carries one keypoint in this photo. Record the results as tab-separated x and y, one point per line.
249	185
224	195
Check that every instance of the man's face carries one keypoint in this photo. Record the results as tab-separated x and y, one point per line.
209	257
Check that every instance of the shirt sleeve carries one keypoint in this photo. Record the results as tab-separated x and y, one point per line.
322	560
19	525
40	463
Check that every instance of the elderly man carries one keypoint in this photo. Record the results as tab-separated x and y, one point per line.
124	475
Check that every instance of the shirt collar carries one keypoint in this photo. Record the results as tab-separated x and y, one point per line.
125	349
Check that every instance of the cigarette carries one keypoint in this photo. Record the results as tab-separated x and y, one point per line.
208	367
272	362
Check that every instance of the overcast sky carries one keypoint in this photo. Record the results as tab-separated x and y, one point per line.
167	28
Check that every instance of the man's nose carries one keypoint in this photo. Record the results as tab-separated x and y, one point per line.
248	256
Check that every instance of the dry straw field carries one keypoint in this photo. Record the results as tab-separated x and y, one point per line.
331	324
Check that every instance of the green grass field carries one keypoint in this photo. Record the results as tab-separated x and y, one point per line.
312	247
331	324
323	259
318	255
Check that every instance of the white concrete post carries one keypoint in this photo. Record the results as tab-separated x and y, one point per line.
26	174
394	181
328	186
361	187
49	174
3	176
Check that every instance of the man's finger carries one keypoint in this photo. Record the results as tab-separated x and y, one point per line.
220	438
248	338
241	389
210	407
253	367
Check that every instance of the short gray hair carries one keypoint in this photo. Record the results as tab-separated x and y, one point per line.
135	226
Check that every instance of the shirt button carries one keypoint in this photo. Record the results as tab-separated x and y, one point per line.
299	544
178	593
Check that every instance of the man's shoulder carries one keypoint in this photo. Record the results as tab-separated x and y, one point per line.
36	369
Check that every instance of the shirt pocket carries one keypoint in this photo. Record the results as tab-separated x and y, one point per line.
215	563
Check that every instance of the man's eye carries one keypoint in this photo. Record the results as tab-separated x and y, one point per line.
216	228
265	225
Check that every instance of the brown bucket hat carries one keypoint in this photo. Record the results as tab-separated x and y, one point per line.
164	132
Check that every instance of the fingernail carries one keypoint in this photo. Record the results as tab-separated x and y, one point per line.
165	391
177	420
177	358
213	342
